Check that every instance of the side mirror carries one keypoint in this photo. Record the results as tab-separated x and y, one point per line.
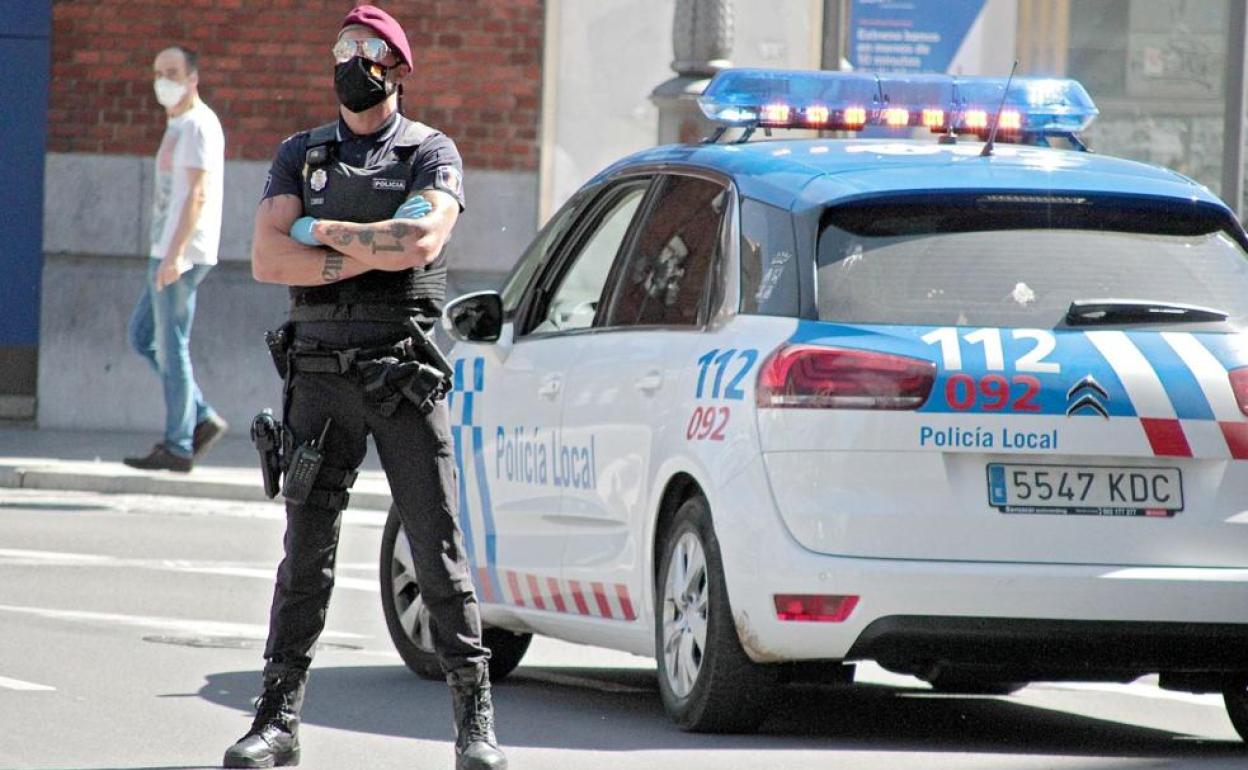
475	317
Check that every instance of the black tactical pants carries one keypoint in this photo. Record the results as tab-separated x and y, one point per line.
416	454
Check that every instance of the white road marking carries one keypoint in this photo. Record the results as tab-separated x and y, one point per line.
18	684
19	556
179	625
156	505
230	569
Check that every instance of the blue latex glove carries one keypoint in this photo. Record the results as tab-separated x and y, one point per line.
301	231
414	207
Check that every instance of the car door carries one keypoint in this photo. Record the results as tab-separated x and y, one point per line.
516	437
494	384
622	403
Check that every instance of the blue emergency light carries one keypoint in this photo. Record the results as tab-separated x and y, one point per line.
847	101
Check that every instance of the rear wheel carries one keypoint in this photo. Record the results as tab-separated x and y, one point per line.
707	682
408	619
1236	698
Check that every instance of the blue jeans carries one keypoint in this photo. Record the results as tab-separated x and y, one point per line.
160	331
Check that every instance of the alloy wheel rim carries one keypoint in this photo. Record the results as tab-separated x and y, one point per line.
685	606
409	604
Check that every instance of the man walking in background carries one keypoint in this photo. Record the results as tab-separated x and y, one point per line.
186	231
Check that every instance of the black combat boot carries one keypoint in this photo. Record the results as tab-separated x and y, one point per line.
476	748
273	740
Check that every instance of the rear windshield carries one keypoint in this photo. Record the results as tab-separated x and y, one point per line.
967	264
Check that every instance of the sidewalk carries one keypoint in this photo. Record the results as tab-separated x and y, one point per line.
90	461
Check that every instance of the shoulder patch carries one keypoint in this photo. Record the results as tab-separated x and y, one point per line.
450	180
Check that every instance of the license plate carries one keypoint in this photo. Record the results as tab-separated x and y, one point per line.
1079	490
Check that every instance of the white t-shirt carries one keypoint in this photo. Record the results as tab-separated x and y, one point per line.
193	139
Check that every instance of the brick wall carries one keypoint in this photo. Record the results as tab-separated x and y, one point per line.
265	68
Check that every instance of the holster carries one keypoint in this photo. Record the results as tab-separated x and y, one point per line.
272	441
387	381
278	341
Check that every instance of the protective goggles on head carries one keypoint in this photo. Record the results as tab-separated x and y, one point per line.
371	48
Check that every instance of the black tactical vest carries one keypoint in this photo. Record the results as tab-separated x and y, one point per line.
337	191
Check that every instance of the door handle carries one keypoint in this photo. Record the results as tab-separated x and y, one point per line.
649	382
549	387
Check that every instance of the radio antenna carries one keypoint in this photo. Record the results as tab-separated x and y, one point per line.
996	120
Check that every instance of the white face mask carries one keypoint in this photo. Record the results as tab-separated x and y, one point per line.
169	93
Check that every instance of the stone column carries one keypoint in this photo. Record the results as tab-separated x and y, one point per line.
1233	129
836	45
702	43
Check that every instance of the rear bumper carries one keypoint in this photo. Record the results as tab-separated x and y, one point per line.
1082	619
1052	616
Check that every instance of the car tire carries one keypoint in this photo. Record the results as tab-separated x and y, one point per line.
410	633
1236	699
708	684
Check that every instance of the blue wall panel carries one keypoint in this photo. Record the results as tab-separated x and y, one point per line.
24	48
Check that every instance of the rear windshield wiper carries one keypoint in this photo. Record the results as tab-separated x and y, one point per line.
1085	312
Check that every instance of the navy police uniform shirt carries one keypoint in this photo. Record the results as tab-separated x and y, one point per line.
436	166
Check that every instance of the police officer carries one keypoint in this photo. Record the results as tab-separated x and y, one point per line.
353	219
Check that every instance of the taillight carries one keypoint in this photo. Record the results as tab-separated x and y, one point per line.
805	376
1239	384
817	608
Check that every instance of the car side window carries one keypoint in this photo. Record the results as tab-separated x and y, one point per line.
536	255
664	279
768	260
574	301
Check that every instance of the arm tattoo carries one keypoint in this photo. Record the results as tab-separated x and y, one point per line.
333	267
398	231
340	235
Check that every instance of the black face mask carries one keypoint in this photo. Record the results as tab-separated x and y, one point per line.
357	88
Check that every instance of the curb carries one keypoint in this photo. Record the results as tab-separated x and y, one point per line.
108	479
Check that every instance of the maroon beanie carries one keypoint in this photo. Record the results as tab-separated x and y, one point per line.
385	26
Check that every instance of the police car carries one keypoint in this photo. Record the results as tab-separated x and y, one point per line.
976	411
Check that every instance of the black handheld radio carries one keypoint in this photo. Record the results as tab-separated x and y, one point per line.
305	464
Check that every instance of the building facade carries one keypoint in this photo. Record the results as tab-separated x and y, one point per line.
538	94
266	69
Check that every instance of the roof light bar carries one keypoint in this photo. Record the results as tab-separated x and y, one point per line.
747	97
974	120
849	101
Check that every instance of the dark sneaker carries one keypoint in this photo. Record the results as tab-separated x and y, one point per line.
160	459
208	432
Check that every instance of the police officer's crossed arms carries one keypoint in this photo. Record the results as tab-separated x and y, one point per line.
354	219
293	249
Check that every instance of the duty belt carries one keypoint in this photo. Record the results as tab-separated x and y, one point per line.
317	360
360	312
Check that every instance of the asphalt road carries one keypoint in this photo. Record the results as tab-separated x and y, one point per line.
131	631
